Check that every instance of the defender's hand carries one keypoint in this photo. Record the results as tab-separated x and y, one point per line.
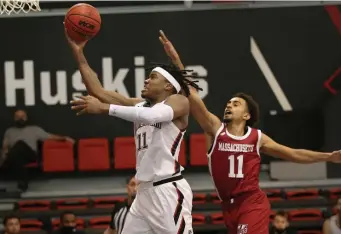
168	46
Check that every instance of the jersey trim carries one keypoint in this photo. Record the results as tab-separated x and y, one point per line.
259	132
239	137
215	140
174	148
177	168
178	208
176	143
182	226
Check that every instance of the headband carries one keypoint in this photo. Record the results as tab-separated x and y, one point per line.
169	77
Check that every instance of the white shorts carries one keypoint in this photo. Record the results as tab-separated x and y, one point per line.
162	209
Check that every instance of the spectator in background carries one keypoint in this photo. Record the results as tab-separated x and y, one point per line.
120	211
11	224
68	224
19	147
280	225
333	224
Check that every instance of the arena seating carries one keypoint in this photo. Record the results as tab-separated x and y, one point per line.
307	209
124	153
93	154
197	153
58	156
72	203
106	202
31	225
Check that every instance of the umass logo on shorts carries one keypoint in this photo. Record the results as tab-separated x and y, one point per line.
242	229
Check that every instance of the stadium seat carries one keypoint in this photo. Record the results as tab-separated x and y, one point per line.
199	198
58	156
303	194
198	219
34	205
274	194
80	223
100	222
72	203
124	153
217	218
93	154
305	215
182	154
106	202
309	232
213	197
30	225
197	147
334	193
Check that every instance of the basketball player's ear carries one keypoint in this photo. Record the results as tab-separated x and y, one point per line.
247	116
168	86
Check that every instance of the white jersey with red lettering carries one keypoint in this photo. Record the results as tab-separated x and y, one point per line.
163	204
157	150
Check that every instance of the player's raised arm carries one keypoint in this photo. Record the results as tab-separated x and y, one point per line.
91	81
270	147
175	107
208	121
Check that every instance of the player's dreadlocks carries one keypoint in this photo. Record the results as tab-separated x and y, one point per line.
181	76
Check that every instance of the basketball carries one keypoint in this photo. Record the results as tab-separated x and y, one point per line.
82	22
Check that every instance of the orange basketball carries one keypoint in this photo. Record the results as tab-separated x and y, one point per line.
82	22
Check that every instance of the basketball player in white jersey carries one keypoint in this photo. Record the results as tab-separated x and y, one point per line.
333	224
163	203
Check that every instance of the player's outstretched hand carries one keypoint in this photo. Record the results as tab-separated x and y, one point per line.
74	44
168	46
336	156
87	104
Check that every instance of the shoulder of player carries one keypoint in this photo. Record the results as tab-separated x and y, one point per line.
177	99
118	207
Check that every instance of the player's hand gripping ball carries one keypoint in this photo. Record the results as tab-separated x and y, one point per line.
82	22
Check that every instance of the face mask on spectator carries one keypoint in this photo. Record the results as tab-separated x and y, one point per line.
20	123
67	230
280	230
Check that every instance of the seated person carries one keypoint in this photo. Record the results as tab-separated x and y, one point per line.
19	147
68	224
11	224
333	225
280	224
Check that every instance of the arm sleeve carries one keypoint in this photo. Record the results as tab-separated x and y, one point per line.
145	115
42	134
